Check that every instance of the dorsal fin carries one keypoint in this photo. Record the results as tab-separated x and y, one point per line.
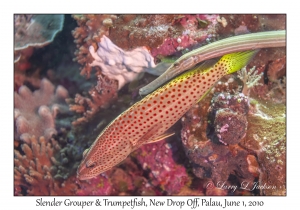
236	61
159	138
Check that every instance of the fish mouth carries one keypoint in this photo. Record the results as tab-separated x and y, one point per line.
80	173
82	176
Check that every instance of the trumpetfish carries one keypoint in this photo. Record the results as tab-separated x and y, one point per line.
228	45
148	120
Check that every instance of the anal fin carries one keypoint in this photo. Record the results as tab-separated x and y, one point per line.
205	94
148	137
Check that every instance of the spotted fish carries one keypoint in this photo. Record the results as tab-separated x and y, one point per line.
148	120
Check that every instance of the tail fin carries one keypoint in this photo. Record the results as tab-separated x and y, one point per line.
236	61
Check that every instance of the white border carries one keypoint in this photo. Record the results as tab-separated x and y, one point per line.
8	8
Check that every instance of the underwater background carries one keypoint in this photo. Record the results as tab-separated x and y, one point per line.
62	103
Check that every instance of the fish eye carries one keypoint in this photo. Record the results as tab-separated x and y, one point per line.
90	164
176	64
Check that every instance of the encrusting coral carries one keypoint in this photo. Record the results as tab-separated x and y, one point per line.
160	159
36	30
231	134
228	118
213	159
266	137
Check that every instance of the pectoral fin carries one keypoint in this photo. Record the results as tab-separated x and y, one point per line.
205	94
148	137
161	137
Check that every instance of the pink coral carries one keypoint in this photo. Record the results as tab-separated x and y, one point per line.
196	29
35	111
172	45
164	171
99	185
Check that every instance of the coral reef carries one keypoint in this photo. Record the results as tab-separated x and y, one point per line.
235	135
99	185
214	159
163	34
118	64
196	29
36	30
233	139
33	31
89	32
161	160
267	139
35	111
252	23
100	96
126	179
275	80
228	118
33	170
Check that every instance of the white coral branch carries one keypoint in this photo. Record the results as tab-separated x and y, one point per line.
250	79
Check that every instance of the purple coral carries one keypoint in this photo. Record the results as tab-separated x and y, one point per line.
228	121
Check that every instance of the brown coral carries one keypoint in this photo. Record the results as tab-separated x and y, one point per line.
258	155
100	96
163	34
32	171
253	23
35	111
89	32
266	137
